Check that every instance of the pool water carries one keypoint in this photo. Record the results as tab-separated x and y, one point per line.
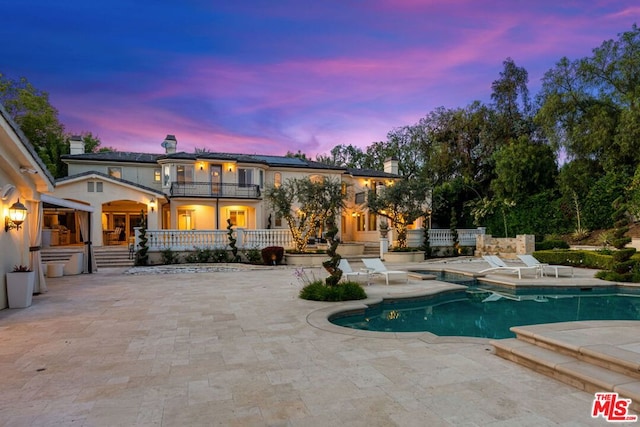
488	314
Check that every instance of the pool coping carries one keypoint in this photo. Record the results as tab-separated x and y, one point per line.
319	318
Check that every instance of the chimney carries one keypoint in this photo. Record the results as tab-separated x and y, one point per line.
391	165
76	145
169	144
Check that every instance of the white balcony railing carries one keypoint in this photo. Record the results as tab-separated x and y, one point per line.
185	240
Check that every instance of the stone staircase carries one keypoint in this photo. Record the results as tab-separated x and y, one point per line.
106	256
590	367
113	256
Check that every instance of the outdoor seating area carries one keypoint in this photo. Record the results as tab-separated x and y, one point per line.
497	265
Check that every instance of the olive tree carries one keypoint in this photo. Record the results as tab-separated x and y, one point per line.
402	202
305	204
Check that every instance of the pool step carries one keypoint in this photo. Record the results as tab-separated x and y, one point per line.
592	368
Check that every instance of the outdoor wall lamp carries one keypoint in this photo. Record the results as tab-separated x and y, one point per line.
152	204
201	164
17	215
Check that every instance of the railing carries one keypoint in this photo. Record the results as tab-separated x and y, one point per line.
185	240
444	237
208	189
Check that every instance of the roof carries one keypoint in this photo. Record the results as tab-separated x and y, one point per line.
27	145
109	178
114	156
268	160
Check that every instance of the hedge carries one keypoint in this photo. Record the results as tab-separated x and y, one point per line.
576	258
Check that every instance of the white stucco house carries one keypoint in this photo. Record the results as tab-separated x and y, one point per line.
24	179
197	191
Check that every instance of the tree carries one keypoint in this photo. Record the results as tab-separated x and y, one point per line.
38	119
590	107
402	202
306	204
523	168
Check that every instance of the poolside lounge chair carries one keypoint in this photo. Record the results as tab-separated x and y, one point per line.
531	261
498	265
348	273
377	267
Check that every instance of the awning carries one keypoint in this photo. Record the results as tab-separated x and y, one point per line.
45	198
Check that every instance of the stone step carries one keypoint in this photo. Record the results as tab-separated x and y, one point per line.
610	357
554	362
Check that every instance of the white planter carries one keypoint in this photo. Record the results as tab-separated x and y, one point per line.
401	257
20	288
306	260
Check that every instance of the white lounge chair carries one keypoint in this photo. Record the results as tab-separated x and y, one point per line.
376	266
498	265
531	261
348	273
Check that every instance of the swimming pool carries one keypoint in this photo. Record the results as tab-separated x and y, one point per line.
486	313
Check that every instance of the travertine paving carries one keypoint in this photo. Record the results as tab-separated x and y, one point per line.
235	348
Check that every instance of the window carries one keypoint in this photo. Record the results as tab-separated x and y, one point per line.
157	175
278	221
277	179
99	187
167	175
343	189
237	218
372	221
360	222
186	220
184	174
261	178
90	185
360	198
245	177
115	172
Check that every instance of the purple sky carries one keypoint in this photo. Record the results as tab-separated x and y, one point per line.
267	76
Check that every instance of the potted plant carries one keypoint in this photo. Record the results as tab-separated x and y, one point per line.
384	228
20	286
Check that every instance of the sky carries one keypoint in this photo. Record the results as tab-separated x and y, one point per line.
271	76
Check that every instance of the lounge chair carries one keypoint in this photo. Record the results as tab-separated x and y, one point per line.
348	273
498	265
531	261
376	266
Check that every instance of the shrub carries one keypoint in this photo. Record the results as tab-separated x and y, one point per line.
191	258
346	291
252	255
587	259
546	245
622	255
169	256
203	254
219	255
272	255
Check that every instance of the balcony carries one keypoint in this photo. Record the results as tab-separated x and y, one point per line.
208	189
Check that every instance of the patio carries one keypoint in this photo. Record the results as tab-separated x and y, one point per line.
235	348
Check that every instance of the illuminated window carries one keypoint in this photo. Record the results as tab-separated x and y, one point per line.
157	175
277	179
343	189
115	172
237	218
371	226
184	173
360	222
186	220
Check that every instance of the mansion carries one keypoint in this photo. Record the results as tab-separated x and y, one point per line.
195	191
